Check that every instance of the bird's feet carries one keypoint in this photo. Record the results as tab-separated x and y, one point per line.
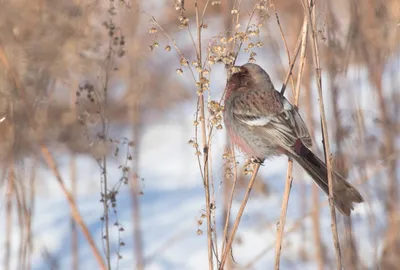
257	160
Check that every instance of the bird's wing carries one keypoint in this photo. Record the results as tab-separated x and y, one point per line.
272	115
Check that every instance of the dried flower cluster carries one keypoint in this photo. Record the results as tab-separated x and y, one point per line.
216	114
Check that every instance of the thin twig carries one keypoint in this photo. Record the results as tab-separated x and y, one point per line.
74	232
181	54
239	216
247	28
283	38
32	193
295	54
312	21
228	214
280	29
74	208
282	219
9	217
204	144
212	202
103	167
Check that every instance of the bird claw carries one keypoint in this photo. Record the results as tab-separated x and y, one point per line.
257	160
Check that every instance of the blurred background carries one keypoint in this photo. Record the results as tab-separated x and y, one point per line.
99	99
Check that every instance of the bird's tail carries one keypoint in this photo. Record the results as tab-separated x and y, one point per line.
344	194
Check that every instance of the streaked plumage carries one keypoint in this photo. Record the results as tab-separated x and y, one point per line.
263	124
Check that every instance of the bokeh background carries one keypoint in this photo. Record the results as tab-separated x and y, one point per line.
97	107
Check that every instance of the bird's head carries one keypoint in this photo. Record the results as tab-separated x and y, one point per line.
248	76
256	73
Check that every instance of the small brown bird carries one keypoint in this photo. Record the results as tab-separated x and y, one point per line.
263	124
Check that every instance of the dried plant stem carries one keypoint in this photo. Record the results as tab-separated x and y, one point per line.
282	219
32	193
135	183
315	192
203	128
136	222
74	232
104	186
239	216
135	189
23	217
172	41
8	232
289	177
280	29
73	175
229	203
292	62
229	178
284	40
310	10
302	60
247	28
206	179
21	210
214	220
74	208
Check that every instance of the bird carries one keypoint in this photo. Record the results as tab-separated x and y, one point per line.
263	124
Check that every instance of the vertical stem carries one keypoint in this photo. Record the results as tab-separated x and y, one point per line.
282	219
239	216
104	138
74	208
350	260
20	206
204	143
392	200
136	222
229	191
289	177
135	190
311	20
72	169
315	217
32	190
228	184
106	216
9	217
24	226
74	233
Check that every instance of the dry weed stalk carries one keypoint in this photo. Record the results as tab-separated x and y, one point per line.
205	143
74	208
9	217
256	167
289	177
310	11
74	231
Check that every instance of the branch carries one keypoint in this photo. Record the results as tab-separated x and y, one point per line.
239	216
311	20
289	177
